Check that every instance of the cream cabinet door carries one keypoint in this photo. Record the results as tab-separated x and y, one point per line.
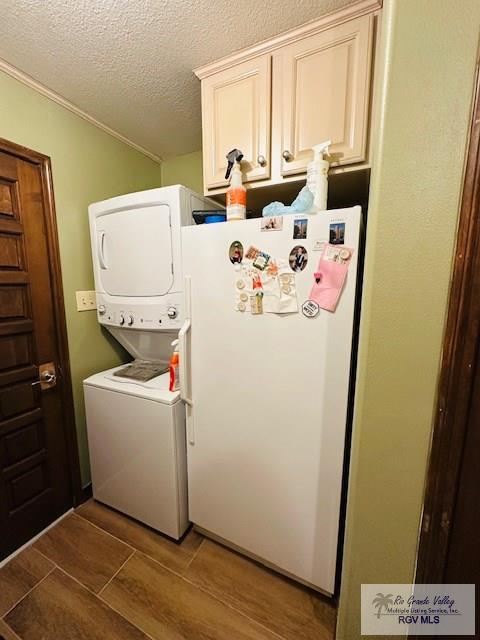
236	107
325	88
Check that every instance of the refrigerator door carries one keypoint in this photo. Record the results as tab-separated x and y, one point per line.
269	395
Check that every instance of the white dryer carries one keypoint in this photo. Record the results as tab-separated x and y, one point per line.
137	264
136	430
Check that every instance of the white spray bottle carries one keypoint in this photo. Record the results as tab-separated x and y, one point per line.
317	175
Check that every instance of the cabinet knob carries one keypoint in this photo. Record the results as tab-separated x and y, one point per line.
287	156
262	161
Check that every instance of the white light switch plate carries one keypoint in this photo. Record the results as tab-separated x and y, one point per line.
86	300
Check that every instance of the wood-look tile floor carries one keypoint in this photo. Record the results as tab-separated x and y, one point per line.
98	575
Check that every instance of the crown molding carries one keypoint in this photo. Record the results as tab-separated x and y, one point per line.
55	97
329	20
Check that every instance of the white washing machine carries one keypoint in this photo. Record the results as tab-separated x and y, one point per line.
136	430
136	436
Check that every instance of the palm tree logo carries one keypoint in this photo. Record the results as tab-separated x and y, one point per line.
382	602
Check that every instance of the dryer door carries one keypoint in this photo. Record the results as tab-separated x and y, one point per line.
134	251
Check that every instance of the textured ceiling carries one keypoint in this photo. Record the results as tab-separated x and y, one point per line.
128	63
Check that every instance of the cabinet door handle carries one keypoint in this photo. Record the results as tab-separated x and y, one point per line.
287	156
262	161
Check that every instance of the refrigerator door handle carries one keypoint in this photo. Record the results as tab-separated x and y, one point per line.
184	371
183	368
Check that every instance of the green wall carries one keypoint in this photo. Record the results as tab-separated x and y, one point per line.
87	165
186	170
429	49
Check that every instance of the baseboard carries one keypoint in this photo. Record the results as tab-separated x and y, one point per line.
86	493
34	539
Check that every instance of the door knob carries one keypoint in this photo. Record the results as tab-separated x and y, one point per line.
262	161
49	377
287	156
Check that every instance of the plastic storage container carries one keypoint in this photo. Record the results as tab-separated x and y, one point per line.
218	217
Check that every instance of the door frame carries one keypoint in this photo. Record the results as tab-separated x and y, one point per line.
44	164
461	344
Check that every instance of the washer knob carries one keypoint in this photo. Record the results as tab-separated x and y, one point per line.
101	310
122	319
130	320
172	313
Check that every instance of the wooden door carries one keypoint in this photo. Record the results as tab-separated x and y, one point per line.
236	114
36	485
325	87
449	551
462	564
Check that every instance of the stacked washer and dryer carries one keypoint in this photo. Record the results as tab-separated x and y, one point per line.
136	426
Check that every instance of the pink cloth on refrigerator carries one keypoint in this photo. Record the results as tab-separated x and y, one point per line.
331	276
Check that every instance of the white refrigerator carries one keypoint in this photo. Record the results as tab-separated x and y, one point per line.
267	393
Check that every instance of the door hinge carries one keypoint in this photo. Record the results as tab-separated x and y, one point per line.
426	523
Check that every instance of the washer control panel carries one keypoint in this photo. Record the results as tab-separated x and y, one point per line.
150	316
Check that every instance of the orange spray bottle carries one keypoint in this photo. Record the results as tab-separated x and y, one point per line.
174	368
236	193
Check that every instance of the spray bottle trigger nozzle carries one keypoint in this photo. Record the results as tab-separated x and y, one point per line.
235	155
320	149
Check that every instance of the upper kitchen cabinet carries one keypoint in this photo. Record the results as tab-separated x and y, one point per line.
325	90
275	100
236	113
